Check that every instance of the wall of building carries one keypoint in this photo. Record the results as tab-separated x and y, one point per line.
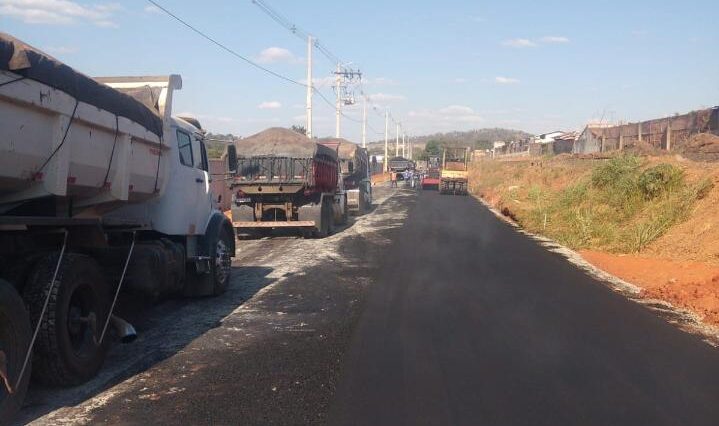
670	133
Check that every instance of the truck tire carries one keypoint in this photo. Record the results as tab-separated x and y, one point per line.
221	263
326	218
65	352
361	203
330	220
345	212
15	335
215	281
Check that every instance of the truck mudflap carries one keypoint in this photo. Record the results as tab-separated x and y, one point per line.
353	199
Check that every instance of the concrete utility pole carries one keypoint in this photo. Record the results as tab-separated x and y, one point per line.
364	123
386	141
338	105
310	87
396	142
404	153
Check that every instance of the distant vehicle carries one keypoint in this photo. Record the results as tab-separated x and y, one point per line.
400	165
354	172
101	188
430	180
281	179
454	174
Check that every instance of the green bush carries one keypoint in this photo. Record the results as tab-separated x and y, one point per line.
660	179
617	172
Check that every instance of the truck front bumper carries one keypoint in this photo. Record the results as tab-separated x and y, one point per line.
279	224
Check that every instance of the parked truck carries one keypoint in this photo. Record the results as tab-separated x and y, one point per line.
454	173
400	165
355	173
282	179
101	189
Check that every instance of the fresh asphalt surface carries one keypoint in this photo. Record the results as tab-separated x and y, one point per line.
473	323
433	311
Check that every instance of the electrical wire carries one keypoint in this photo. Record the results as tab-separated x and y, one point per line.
223	47
294	29
299	32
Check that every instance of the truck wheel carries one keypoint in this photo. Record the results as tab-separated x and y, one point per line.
221	266
65	352
345	212
361	201
15	337
326	219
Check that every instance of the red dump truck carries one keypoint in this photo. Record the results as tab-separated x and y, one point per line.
354	172
281	179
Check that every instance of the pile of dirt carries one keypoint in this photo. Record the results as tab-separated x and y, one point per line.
690	285
697	237
702	147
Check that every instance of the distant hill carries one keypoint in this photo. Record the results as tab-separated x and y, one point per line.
476	139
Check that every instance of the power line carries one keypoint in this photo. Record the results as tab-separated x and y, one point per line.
225	48
294	29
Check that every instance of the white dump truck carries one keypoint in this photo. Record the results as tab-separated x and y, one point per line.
101	189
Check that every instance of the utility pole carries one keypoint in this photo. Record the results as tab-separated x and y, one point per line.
343	76
310	87
386	140
364	123
404	151
338	104
396	142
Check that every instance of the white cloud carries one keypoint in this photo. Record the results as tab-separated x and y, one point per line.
460	80
321	81
505	80
554	40
525	42
519	43
270	105
456	110
61	50
59	12
379	81
151	8
477	19
276	54
386	97
446	117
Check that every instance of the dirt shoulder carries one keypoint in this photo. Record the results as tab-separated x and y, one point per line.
676	261
690	285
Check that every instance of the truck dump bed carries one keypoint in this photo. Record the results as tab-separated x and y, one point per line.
276	157
354	161
67	135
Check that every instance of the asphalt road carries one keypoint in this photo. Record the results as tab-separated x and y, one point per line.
429	310
473	323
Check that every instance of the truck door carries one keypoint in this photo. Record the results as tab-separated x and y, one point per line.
197	197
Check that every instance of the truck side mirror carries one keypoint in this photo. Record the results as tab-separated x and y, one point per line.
232	158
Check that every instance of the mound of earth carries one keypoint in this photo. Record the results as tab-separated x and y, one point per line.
702	147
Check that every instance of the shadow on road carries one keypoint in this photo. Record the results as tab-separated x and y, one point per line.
164	329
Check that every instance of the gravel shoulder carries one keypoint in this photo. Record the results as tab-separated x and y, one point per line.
265	352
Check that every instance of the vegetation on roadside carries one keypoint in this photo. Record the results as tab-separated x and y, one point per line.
619	205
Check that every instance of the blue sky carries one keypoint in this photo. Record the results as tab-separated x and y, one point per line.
439	66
